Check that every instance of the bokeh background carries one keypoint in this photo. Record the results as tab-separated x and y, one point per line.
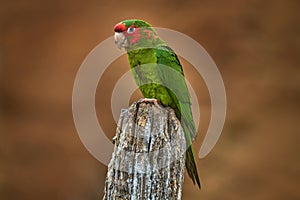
256	45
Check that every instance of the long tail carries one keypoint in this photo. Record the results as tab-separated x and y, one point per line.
184	114
190	161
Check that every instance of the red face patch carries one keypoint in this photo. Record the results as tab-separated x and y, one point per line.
133	33
133	36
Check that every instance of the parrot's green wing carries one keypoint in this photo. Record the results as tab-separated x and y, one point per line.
171	74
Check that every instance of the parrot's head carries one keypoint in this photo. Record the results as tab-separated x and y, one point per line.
134	33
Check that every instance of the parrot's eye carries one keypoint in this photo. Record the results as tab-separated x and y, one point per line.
130	30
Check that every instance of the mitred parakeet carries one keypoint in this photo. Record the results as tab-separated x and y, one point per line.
146	53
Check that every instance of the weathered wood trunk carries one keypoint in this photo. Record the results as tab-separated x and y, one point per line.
149	155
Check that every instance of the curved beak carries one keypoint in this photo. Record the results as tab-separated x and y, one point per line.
120	40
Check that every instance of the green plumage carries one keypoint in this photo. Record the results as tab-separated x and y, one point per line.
159	75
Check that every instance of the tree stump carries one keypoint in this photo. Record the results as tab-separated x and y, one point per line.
149	155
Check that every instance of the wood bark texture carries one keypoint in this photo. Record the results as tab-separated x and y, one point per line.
149	155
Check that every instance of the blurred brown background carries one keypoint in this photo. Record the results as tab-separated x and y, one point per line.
254	43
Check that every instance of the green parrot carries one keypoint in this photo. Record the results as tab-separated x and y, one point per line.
148	55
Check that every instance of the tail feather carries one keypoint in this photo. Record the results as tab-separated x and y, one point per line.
190	161
184	113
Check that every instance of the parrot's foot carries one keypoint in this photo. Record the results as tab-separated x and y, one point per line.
147	100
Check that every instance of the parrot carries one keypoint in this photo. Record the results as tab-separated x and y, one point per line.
146	51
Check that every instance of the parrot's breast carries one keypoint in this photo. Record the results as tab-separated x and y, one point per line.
144	67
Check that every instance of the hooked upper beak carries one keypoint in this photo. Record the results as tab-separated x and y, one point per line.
120	40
